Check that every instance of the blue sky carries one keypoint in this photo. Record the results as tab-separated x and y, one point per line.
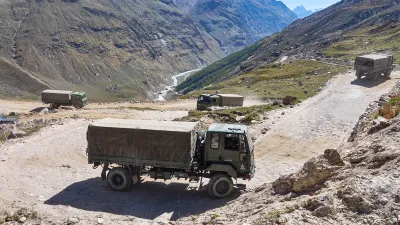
309	4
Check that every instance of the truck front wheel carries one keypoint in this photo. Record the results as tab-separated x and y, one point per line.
119	179
387	73
220	186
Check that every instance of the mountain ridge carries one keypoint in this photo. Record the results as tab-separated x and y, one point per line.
304	38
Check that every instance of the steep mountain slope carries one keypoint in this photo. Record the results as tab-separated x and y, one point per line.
239	23
111	48
310	37
185	5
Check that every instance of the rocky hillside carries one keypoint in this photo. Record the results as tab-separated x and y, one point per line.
341	31
239	23
356	184
109	48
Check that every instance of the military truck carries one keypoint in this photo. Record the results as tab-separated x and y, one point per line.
372	66
205	102
57	98
129	149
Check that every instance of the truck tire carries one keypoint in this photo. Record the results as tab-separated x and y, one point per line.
375	76
220	186
119	179
358	74
387	73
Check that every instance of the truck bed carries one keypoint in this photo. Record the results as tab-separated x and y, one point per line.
56	96
142	143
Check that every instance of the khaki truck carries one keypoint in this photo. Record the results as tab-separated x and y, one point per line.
129	149
204	102
57	98
372	66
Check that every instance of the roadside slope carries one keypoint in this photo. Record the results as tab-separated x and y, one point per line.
310	38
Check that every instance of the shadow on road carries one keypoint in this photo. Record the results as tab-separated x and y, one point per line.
370	83
146	200
37	110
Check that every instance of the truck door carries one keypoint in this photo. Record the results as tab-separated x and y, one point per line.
231	148
215	146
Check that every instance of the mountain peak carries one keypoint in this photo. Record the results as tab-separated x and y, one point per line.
302	12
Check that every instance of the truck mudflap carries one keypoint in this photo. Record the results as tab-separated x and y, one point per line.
250	175
223	168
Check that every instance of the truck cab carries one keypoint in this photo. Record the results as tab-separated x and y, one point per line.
79	99
204	101
230	147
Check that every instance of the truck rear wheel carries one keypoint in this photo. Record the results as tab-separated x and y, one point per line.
119	179
387	73
220	186
374	76
358	74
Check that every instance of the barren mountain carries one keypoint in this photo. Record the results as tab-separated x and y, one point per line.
346	29
237	24
120	47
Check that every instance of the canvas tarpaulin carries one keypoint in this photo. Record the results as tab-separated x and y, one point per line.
144	140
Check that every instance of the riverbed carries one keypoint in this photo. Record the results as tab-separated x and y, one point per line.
161	96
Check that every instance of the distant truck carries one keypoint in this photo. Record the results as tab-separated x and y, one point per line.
128	149
372	66
57	98
204	101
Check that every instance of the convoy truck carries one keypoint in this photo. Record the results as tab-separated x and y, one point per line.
57	98
204	101
129	149
372	66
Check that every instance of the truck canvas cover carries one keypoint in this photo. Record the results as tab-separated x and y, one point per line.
56	96
231	100
143	142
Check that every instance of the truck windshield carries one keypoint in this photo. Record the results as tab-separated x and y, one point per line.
205	99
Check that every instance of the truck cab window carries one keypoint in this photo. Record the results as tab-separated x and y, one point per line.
232	142
215	141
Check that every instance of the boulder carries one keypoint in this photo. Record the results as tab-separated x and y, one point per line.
17	134
264	130
288	100
315	171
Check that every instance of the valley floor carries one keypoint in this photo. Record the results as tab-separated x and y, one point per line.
48	172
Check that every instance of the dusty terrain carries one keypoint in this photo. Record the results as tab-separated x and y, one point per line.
48	172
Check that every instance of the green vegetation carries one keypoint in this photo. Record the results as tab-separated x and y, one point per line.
28	132
229	115
301	78
216	71
390	110
368	40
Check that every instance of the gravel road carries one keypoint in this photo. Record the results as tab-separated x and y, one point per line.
321	122
49	172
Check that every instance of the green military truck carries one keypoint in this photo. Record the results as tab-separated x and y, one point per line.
372	66
57	98
129	149
205	102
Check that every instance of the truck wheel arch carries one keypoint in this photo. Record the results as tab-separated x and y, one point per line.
228	169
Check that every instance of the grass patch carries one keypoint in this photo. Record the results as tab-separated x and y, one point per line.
367	40
390	110
301	78
249	114
216	71
28	132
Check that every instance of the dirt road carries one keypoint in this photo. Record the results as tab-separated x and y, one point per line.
321	122
49	172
